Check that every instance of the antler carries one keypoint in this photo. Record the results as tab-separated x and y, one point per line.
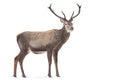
55	13
64	15
77	13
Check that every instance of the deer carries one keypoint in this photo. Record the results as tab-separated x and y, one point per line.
39	41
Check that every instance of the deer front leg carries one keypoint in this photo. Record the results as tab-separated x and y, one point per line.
55	56
49	56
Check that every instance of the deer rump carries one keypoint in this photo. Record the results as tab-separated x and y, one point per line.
39	42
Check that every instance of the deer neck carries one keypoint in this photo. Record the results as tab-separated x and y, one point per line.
65	34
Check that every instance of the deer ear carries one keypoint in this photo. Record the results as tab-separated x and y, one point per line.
62	20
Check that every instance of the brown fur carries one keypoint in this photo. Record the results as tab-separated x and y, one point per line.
50	41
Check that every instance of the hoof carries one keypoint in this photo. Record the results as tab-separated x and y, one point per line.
23	76
58	75
49	75
14	75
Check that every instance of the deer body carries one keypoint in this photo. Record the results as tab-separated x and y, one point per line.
40	41
50	41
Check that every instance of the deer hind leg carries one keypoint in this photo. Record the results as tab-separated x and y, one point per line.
19	58
49	56
23	52
22	56
15	64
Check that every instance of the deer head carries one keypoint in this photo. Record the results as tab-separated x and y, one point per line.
67	23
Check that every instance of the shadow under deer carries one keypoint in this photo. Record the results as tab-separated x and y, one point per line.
50	41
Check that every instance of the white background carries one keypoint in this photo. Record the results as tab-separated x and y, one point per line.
91	53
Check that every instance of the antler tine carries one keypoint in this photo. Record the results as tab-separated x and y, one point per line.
78	11
53	11
64	15
71	16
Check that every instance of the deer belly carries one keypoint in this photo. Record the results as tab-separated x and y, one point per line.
38	43
39	52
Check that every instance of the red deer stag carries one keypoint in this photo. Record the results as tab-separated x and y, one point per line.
50	41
